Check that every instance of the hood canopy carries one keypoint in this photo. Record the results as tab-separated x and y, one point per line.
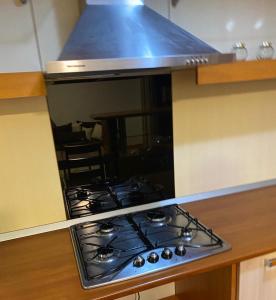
117	37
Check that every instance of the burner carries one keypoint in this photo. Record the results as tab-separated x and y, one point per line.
187	234
158	218
82	194
105	254
106	228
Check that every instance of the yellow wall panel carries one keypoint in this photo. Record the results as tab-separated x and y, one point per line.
224	135
30	187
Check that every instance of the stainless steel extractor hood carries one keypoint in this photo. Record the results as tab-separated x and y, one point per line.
122	37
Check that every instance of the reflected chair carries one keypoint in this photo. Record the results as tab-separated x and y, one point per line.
83	163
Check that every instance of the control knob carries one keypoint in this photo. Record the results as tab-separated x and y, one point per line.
167	253
153	258
139	261
180	250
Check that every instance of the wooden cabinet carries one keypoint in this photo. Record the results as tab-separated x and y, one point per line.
18	49
257	280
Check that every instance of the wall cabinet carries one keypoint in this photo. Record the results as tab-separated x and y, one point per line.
34	33
18	48
257	280
54	21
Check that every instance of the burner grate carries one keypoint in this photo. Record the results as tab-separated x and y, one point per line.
105	196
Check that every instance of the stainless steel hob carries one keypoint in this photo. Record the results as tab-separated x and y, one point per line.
131	245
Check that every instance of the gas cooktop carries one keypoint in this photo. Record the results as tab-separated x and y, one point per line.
131	245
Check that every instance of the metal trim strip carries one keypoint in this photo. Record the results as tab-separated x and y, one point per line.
180	200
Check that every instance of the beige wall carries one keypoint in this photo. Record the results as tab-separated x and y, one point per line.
30	186
224	135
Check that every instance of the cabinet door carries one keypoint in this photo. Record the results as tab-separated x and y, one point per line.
258	278
18	49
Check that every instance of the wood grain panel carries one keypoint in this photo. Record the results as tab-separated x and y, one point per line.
18	85
45	266
236	72
216	285
234	281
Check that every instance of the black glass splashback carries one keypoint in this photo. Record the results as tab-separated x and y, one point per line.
114	142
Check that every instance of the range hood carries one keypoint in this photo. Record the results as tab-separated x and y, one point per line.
113	38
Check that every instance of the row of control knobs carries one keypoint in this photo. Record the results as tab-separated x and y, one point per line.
196	61
153	257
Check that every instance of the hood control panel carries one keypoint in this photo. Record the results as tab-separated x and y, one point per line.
193	61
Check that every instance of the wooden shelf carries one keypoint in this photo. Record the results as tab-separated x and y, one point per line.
19	85
236	72
216	285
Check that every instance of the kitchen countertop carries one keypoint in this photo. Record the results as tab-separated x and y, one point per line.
43	267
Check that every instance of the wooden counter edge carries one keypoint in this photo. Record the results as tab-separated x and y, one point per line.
236	72
249	217
21	85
